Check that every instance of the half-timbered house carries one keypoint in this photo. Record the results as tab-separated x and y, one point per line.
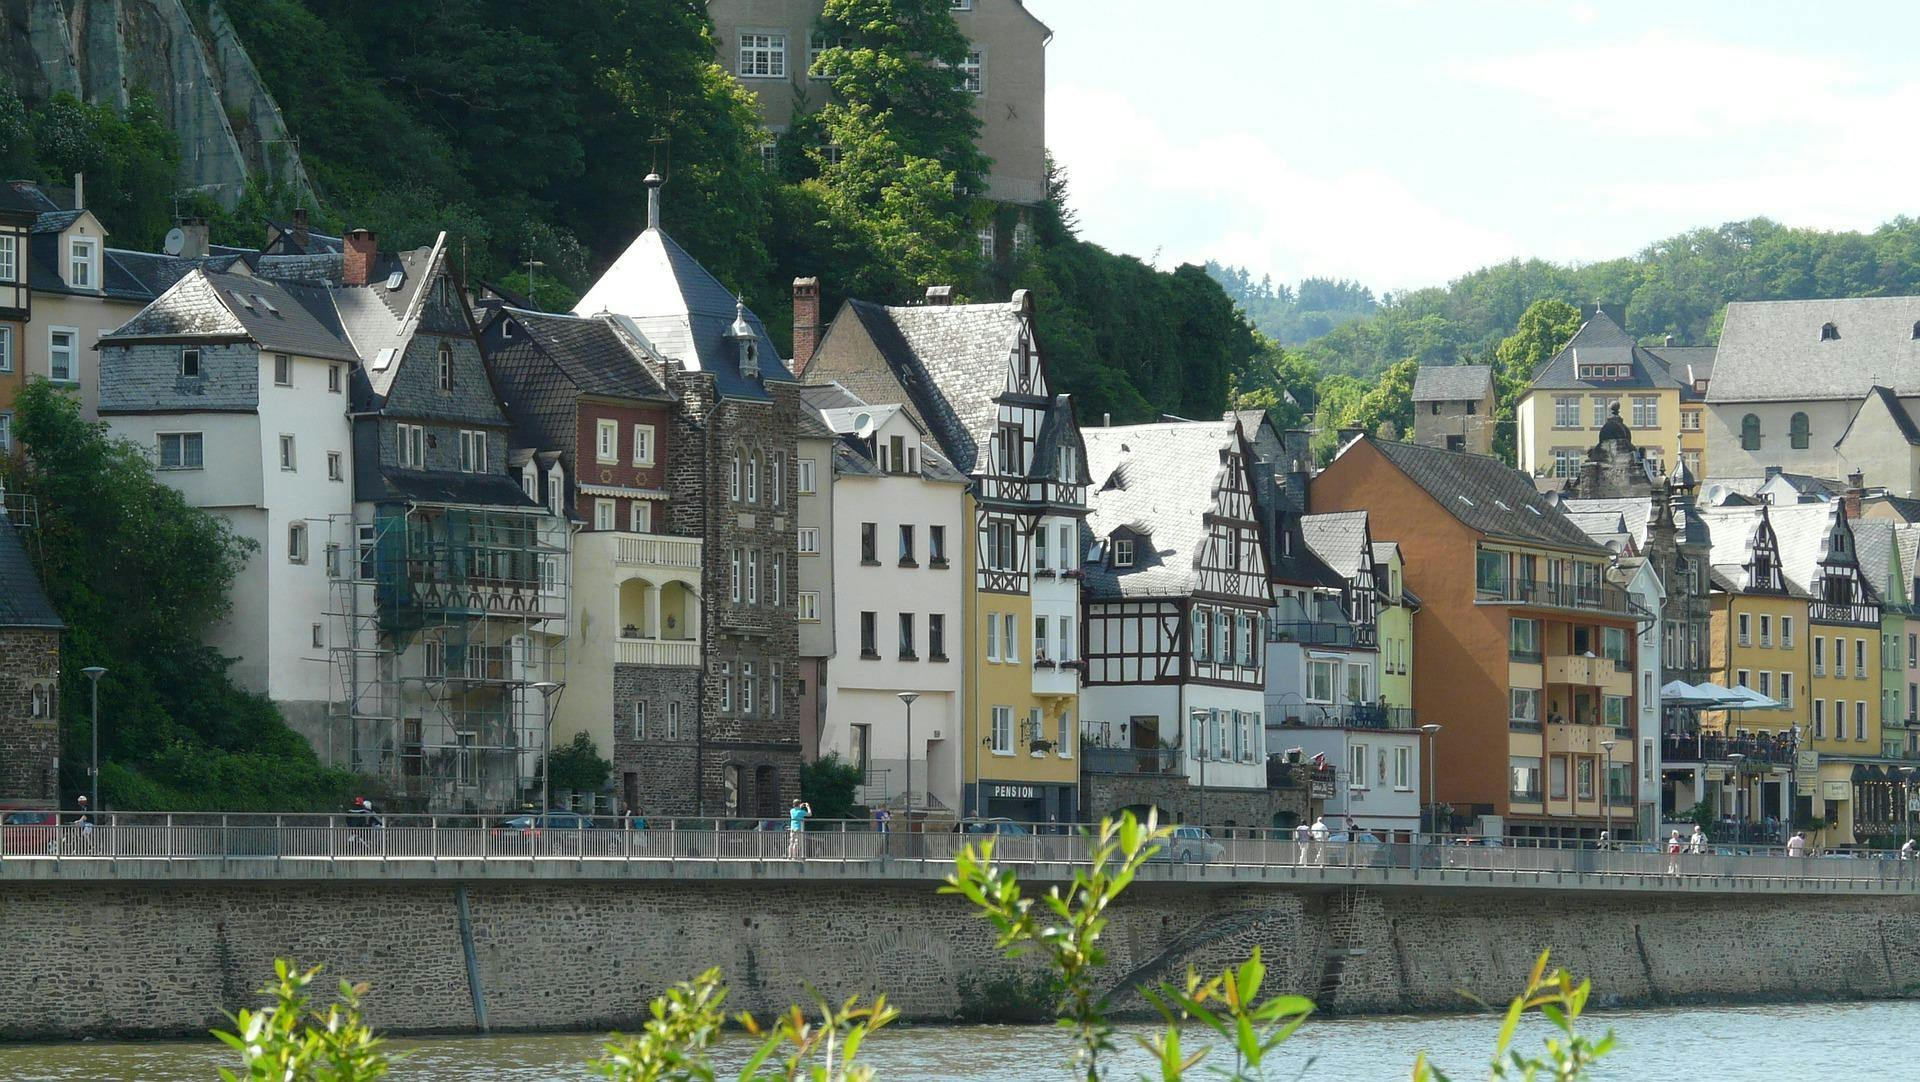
1176	596
973	376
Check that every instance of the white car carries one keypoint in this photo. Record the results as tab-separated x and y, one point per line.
1190	845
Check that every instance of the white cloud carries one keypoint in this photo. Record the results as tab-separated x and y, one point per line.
1234	197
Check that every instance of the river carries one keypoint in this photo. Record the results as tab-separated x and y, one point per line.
1856	1041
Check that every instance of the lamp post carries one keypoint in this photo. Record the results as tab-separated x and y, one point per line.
1739	798
908	697
546	688
1906	817
1201	719
94	673
1606	787
1433	801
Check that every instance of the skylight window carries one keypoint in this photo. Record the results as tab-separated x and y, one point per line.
267	304
394	280
1534	509
242	299
384	359
1463	499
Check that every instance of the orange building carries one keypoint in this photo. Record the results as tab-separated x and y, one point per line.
1526	652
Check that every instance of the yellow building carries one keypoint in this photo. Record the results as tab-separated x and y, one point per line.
1660	391
972	377
1397	606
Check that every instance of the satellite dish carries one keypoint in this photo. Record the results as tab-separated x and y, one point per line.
863	425
176	241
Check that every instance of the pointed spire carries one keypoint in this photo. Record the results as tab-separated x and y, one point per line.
653	182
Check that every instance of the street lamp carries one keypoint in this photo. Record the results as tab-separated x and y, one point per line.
1200	719
1911	806
1433	801
546	688
1739	798
1606	787
94	673
908	697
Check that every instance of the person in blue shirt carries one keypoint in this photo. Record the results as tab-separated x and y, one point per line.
797	827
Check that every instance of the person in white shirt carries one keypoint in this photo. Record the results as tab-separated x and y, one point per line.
1797	845
1673	854
1697	845
1303	841
1320	834
1906	851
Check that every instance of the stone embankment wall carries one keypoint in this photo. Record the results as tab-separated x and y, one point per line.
89	958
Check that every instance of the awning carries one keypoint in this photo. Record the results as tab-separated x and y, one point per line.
621	490
1749	699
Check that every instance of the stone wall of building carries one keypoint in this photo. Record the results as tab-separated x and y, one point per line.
652	772
29	733
170	958
1103	795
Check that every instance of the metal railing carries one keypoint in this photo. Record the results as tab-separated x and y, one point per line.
1163	761
1556	595
1712	747
1344	716
239	841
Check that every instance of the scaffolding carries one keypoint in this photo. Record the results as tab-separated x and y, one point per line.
447	638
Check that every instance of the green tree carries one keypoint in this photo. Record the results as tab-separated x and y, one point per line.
577	765
141	578
1545	327
829	783
129	159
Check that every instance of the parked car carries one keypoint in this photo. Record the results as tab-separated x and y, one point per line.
990	826
1191	845
28	833
553	820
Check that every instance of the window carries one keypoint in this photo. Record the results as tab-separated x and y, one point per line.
733	578
1799	432
1583	777
1010	637
937	545
282	368
906	638
1566	462
190	364
9	258
1067	555
640	516
1746	629
180	451
1041	548
726	687
83	263
1646	411
984	237
1786	632
817	43
1601	407
446	366
1248	638
1490	571
1320	677
1566	412
1860	720
753	477
1860	658
1041	640
1829	333
747	688
1743	678
777	573
1356	766
296	542
1689	420
993	637
1557	777
1123	552
1402	769
763	56
809	608
413	446
286	453
1819	718
1523	639
606	444
336	466
869	635
673	721
6	431
805	475
643	445
1613	644
605	515
1202	634
333	379
1616	711
473	451
1523	704
1063	739
1750	433
1002	554
1003	730
937	636
973	76
906	544
807	540
753	576
1819	655
1524	775
61	355
869	543
733	478
777	478
6	348
1064	629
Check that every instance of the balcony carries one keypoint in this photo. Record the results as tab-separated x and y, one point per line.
656	550
683	652
1524	796
1164	762
1322	633
1853	614
1593	597
1349	716
1715	748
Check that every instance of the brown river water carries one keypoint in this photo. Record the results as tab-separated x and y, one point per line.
1852	1041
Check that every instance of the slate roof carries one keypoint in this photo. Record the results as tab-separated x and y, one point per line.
1906	508
1339	538
478	489
683	310
22	602
952	362
590	353
1821	489
1452	383
1906	541
1485	494
1600	340
1614	520
1148	479
1688	364
1772	350
287	317
1803	529
25	196
1873	546
1733	531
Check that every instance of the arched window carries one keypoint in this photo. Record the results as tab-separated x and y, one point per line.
1916	332
1829	332
1799	431
1750	433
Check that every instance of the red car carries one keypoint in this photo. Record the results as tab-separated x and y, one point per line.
28	833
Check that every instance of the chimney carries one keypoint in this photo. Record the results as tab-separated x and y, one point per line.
940	295
1856	490
358	252
806	322
195	246
1106	420
1348	435
300	233
1669	340
653	182
1773	472
79	191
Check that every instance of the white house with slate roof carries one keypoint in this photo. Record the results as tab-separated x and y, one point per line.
1176	581
1824	387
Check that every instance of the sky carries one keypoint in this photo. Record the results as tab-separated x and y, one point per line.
1404	142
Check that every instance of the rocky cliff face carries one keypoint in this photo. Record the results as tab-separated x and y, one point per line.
197	70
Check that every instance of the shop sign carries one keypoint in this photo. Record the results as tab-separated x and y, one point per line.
1016	792
1836	790
1806	767
1322	788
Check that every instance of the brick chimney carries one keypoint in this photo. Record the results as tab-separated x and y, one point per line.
1856	490
358	252
196	244
806	322
940	295
300	233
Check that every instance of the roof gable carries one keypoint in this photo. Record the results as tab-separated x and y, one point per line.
1483	493
1452	383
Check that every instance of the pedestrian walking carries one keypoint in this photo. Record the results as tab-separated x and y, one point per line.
1673	854
364	820
1906	851
1697	845
1797	845
1320	834
797	829
883	820
1302	841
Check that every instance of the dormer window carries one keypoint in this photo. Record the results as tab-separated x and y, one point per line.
190	363
446	366
1829	332
1123	552
1916	332
83	263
